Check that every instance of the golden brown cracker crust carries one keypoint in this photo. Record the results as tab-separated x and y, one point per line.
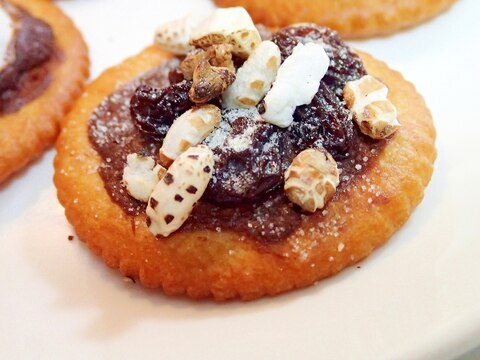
203	264
353	19
25	133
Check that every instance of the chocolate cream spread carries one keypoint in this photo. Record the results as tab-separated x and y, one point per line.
246	192
30	57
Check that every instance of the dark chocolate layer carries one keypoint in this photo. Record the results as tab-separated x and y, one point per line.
30	54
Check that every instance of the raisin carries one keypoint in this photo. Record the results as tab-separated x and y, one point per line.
325	120
175	76
250	157
345	65
154	110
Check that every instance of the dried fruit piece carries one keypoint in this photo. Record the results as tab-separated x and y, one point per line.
175	76
254	78
176	194
154	110
345	64
140	176
228	26
375	115
250	156
297	82
190	129
209	82
311	179
324	121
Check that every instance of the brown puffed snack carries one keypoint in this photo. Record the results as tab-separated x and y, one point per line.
353	19
44	72
218	262
311	179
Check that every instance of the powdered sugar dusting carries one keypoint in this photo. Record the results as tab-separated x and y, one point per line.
239	142
250	157
247	154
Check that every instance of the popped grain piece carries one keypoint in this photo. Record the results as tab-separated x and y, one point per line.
373	112
177	193
228	26
190	129
140	176
209	82
311	180
217	55
297	82
6	29
254	78
174	36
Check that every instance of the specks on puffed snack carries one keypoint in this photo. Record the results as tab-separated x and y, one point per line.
297	82
140	176
312	178
174	36
177	193
189	129
254	78
374	113
228	26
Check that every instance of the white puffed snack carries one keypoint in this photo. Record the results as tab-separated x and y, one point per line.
189	129
140	176
254	78
6	33
373	112
174	36
177	193
297	82
228	26
311	180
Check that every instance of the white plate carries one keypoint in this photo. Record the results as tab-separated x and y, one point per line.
416	298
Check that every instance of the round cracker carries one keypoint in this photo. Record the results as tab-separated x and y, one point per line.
224	265
25	133
353	19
